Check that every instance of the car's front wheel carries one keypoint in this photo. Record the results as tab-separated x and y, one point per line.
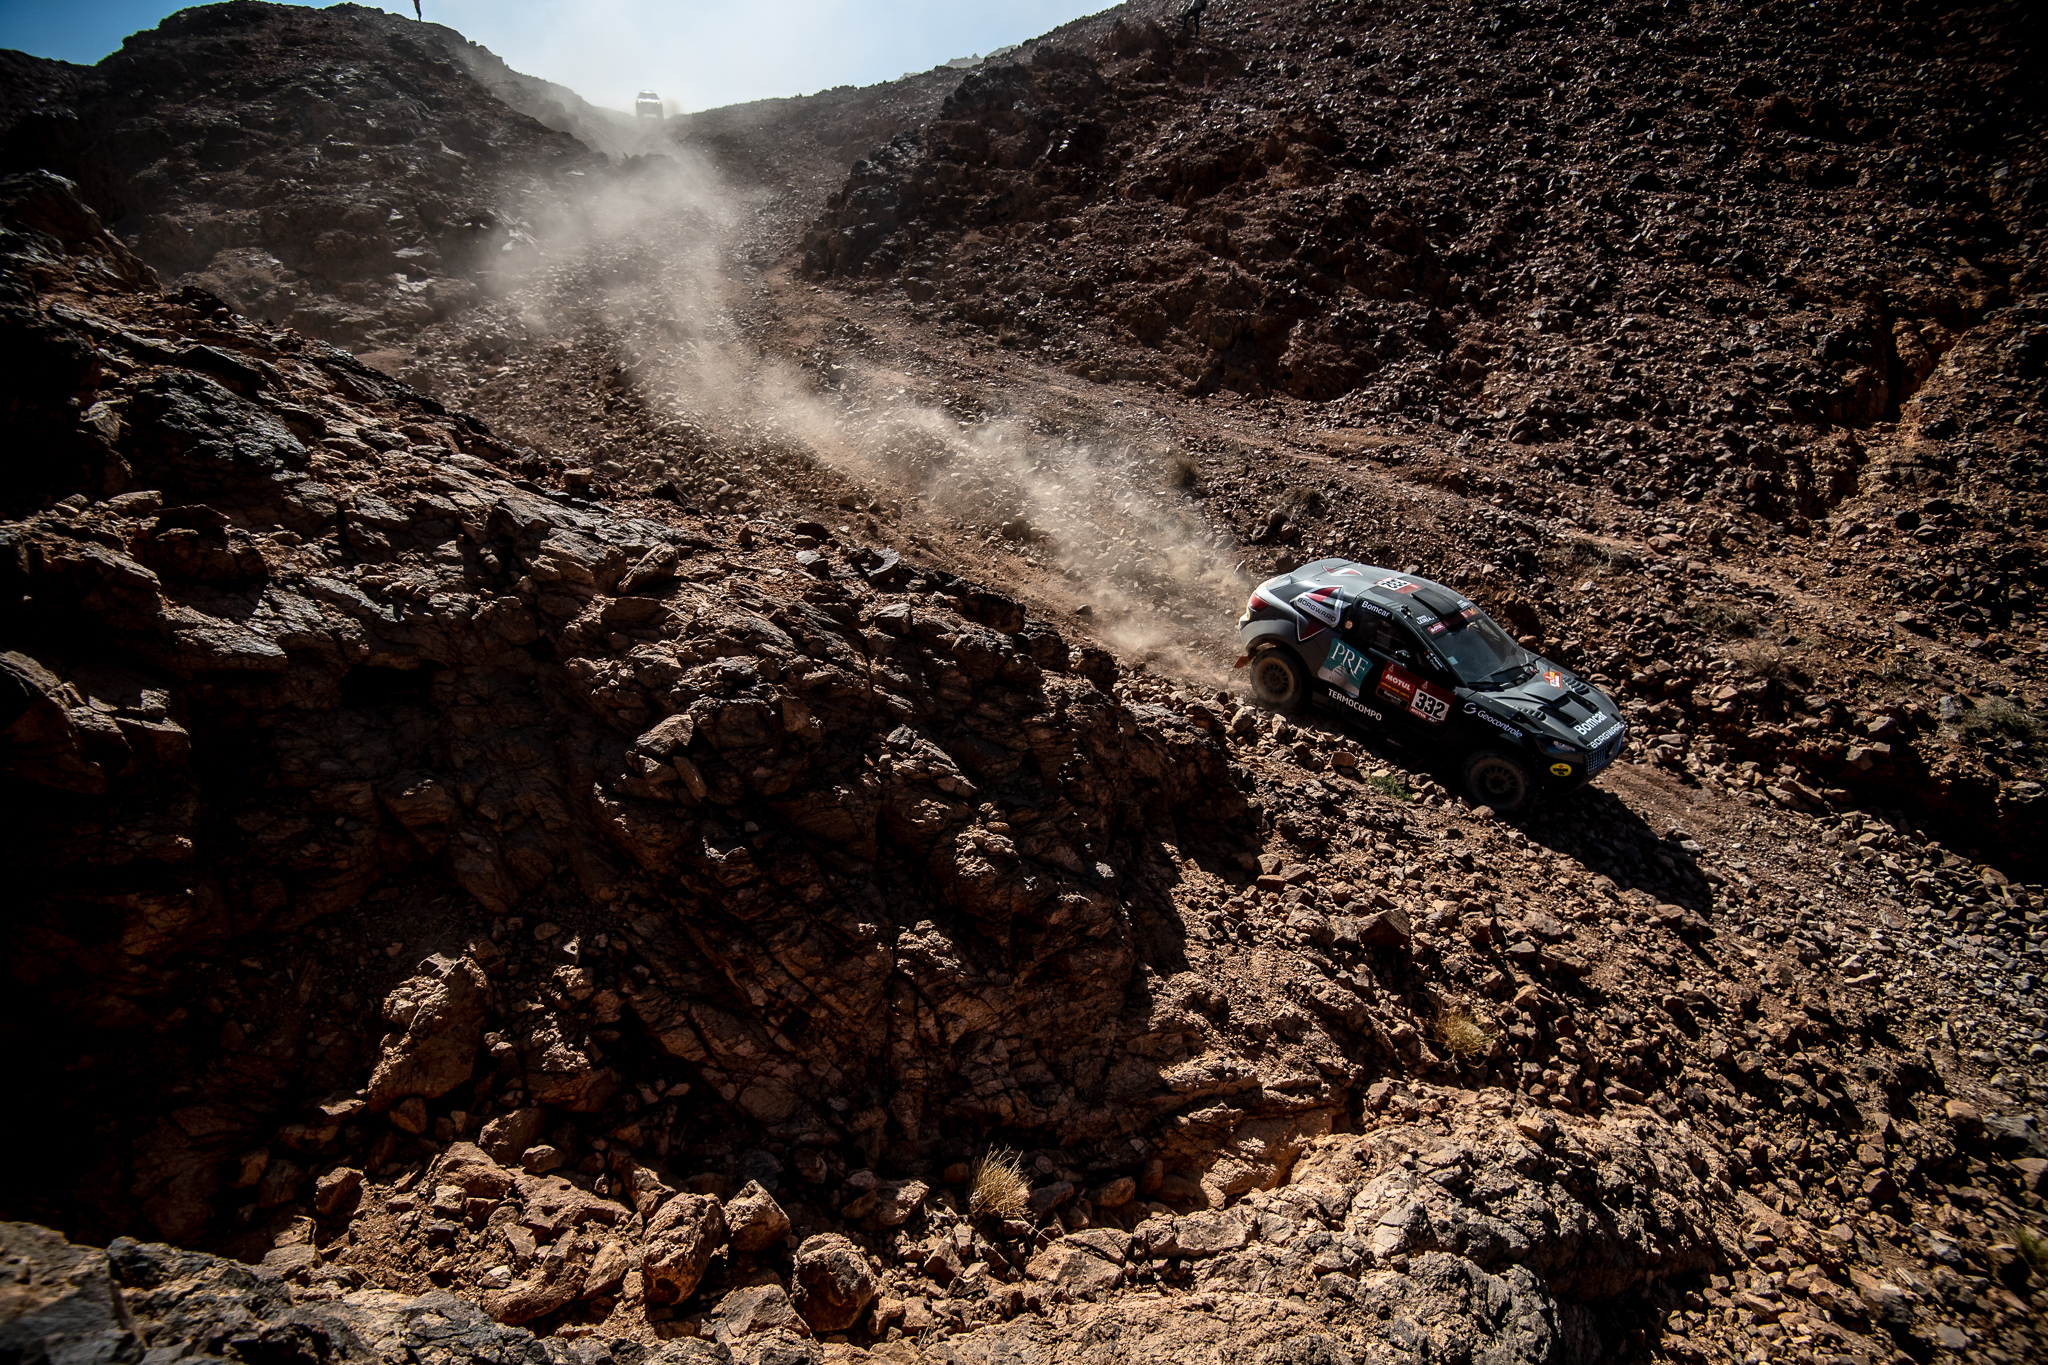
1279	680
1498	780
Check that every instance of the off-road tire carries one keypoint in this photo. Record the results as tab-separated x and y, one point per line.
1499	780
1279	680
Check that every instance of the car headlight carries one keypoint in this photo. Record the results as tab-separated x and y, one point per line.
1559	749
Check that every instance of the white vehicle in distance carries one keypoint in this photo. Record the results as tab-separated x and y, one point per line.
647	105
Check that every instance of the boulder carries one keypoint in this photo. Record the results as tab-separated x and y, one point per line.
506	1137
607	1268
438	1019
832	1281
1074	1267
897	1200
1209	1233
754	1220
681	1238
747	1312
464	1164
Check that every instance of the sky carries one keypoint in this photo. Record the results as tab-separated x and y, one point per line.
696	55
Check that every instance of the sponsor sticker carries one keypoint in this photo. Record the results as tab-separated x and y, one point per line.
1355	704
1397	585
1436	627
1323	604
1561	769
1554	678
1375	608
1344	666
1593	722
1473	708
1420	698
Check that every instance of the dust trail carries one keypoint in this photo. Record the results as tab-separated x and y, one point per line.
660	254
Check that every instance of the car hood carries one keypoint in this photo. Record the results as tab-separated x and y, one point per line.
1553	703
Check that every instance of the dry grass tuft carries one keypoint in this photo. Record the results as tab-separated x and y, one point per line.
1187	471
1727	619
1462	1033
1387	784
2034	1247
1998	718
997	1188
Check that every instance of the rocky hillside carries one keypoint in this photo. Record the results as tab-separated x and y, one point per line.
728	887
589	863
1749	299
341	170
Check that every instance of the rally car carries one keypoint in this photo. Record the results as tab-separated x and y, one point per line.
1421	663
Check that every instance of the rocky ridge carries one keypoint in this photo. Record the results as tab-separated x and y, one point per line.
1340	953
341	170
657	1070
1612	306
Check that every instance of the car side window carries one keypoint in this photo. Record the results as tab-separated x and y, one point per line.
1375	632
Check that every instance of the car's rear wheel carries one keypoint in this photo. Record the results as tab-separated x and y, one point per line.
1279	680
1498	780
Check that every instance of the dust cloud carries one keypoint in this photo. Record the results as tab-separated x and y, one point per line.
1076	504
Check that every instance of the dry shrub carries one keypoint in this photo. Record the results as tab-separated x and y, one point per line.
1727	619
1301	502
1187	471
2034	1247
1767	660
1386	784
1462	1033
997	1188
1998	718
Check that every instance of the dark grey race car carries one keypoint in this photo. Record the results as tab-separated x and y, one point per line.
1422	664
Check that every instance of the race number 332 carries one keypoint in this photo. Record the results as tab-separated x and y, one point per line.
1431	708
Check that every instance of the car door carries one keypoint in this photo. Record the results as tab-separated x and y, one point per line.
1344	679
1409	685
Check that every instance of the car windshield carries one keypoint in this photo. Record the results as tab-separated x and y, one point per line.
1480	652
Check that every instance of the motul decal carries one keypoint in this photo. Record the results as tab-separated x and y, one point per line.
1423	699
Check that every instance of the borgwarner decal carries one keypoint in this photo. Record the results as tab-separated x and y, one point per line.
1421	698
1321	605
1344	666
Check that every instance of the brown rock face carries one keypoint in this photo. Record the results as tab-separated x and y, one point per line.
802	805
832	1282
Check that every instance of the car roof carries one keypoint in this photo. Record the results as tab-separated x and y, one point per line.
1384	586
